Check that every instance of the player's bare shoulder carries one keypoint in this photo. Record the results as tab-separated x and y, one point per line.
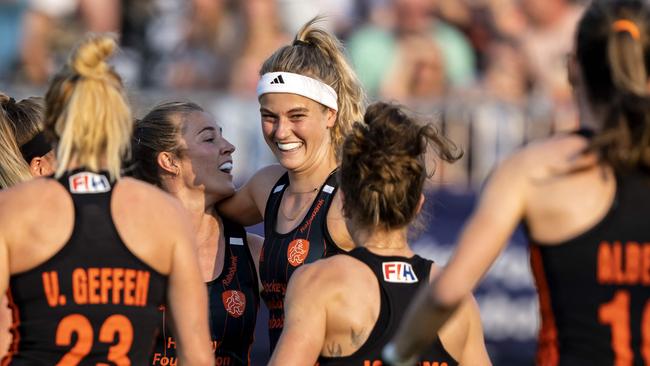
545	158
264	179
148	203
26	201
338	270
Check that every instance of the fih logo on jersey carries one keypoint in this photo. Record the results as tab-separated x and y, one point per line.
398	272
234	301
86	182
297	251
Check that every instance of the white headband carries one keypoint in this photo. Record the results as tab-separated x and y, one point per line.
286	82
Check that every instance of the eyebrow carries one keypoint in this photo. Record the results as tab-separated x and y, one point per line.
264	110
208	128
293	110
299	109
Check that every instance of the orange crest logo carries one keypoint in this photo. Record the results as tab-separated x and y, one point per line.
235	302
297	252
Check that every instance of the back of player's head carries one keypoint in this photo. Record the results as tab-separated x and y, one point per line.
25	117
384	168
158	131
613	51
318	54
13	168
26	120
87	113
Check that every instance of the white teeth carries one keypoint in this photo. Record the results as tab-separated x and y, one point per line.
226	167
289	146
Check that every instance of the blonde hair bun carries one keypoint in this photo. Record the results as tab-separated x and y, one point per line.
89	60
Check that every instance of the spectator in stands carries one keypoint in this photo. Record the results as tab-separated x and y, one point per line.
261	39
419	72
203	56
373	48
547	41
11	15
51	27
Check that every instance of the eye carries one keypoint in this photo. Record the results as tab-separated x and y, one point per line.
211	139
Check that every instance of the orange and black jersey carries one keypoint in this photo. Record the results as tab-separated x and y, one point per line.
283	253
94	302
399	280
234	301
594	289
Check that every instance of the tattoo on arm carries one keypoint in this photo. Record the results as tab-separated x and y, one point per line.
334	350
357	337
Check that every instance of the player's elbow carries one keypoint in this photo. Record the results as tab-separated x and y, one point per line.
444	296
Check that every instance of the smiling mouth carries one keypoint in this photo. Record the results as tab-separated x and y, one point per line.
226	167
288	146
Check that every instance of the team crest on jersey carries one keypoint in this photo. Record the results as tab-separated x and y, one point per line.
398	272
234	302
86	182
297	251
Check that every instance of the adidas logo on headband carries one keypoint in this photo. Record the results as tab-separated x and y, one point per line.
278	80
287	82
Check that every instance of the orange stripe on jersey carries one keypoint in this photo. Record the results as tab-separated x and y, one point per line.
547	347
15	335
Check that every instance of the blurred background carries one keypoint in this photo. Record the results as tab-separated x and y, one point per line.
490	73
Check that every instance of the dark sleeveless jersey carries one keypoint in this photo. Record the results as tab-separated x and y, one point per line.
283	253
234	301
93	302
594	289
399	280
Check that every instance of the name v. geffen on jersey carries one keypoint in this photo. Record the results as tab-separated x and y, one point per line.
99	286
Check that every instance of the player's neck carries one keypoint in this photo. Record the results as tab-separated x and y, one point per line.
314	175
207	226
383	241
202	212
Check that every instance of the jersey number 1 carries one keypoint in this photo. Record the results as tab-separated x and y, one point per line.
80	325
616	313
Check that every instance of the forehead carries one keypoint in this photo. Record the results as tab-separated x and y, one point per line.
197	121
283	102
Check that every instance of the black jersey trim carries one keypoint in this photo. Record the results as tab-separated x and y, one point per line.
230	230
277	201
325	227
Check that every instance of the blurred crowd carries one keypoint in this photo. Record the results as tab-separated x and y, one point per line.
502	61
402	49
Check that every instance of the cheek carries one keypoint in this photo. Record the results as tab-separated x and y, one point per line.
267	129
199	157
50	161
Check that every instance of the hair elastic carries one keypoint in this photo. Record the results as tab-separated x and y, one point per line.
287	82
37	146
624	25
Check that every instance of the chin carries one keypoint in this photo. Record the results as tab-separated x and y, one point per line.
288	163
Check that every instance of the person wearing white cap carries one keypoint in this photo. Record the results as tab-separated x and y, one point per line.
309	98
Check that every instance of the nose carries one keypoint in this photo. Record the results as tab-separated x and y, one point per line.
282	128
227	148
